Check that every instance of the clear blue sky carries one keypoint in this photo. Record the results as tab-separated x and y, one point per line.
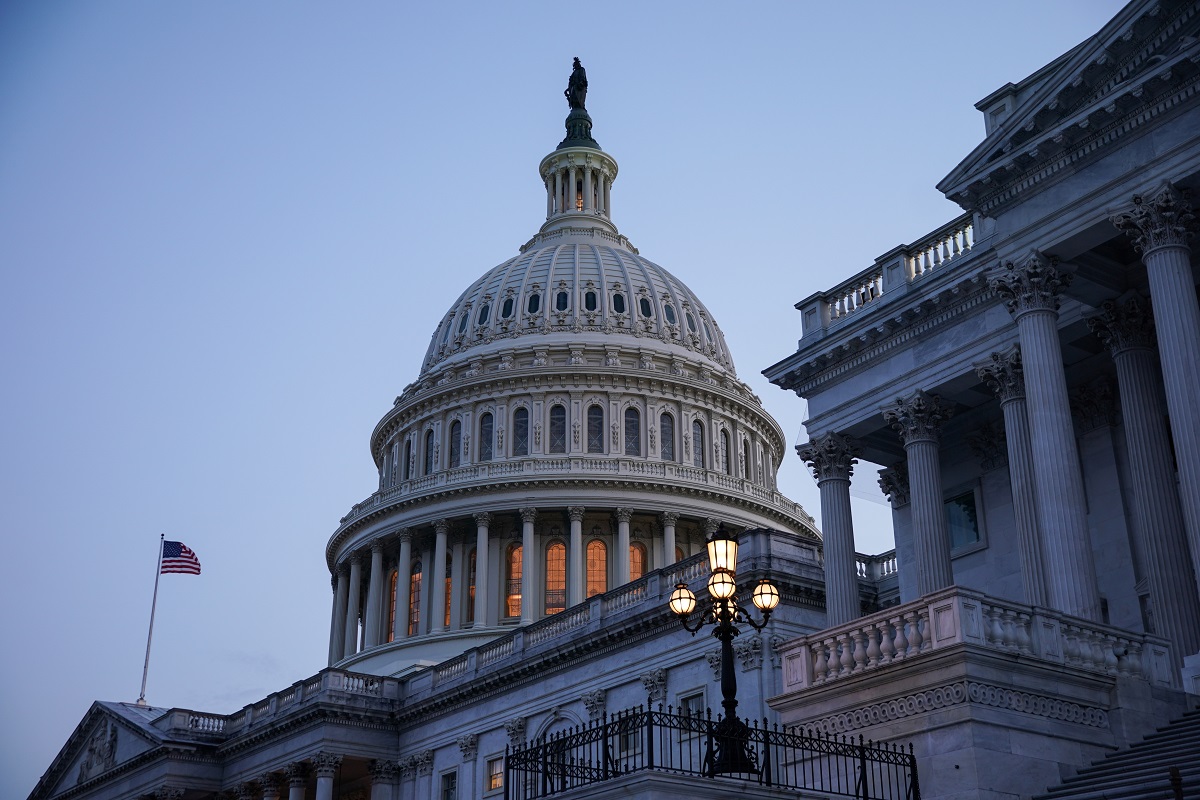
227	231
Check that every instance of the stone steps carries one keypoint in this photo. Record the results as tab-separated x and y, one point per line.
1142	771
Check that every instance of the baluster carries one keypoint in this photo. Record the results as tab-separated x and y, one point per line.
954	240
1121	654
1109	646
820	664
872	646
1070	644
925	265
1024	643
901	641
1096	646
995	631
915	640
946	249
847	658
1010	633
860	650
885	642
914	266
1135	660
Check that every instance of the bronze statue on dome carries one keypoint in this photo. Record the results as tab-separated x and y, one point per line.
576	91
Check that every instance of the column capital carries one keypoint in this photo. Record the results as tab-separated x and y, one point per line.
710	525
383	771
623	514
918	417
1094	405
528	514
831	456
297	773
376	546
575	513
893	482
1162	219
1004	374
989	445
271	783
441	527
246	790
405	535
468	746
1124	325
326	764
168	793
669	517
483	519
1034	285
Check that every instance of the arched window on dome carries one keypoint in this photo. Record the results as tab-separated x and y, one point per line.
595	429
669	313
666	437
633	432
556	578
691	322
393	580
486	436
521	432
558	429
637	560
512	581
429	451
414	600
534	304
597	568
506	310
484	310
449	590
407	467
462	323
589	301
746	461
697	444
726	462
645	307
562	301
470	615
618	303
455	444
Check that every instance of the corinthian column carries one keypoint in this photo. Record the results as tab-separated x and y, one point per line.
528	558
1004	375
297	778
326	766
483	521
669	518
337	637
575	582
832	459
1030	292
621	557
374	595
355	593
1161	227
403	586
1157	515
437	577
918	419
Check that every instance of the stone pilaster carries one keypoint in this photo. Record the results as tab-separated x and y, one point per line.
1161	226
832	458
1004	375
918	419
1031	293
1127	329
621	557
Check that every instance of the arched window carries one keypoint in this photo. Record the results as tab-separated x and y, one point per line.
521	432
589	301
597	568
407	459
645	307
697	444
414	600
471	586
512	594
393	579
595	429
678	554
449	593
483	314
746	461
455	444
556	578
637	560
562	301
486	426
534	304
506	309
666	435
633	432
428	451
619	303
558	429
462	323
725	460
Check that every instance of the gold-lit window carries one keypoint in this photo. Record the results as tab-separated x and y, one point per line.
471	587
556	578
637	560
597	568
449	592
512	604
414	600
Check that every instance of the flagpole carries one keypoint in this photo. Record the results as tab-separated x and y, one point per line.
141	701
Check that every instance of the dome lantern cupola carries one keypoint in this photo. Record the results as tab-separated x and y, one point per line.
578	175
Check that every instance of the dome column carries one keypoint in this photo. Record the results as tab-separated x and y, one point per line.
621	562
558	191
528	517
571	178
403	586
337	637
483	521
588	204
575	582
832	458
374	595
669	518
437	574
352	606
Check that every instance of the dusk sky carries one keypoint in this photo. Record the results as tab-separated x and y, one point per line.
228	230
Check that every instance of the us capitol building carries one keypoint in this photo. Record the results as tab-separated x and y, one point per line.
1028	373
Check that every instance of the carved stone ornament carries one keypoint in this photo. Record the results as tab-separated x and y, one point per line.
297	773
101	754
575	513
831	456
776	641
539	358
655	684
483	519
575	432
918	417
989	446
1094	405
382	771
713	657
1124	326
168	793
1035	285
669	518
612	357
749	651
623	514
246	791
424	762
1162	220
1004	374
595	703
893	481
468	745
326	764
528	514
506	362
271	783
710	525
515	728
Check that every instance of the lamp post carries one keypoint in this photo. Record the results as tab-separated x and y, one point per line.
732	736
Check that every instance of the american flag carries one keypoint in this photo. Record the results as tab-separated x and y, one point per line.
178	557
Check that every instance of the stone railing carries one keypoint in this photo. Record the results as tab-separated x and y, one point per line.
957	616
499	472
873	568
891	272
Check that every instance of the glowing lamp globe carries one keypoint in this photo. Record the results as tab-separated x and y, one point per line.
721	585
682	600
722	551
765	596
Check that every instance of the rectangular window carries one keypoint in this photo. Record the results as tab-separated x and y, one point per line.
691	707
450	786
495	773
963	520
521	432
558	429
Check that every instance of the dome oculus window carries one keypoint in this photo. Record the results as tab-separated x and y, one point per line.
691	321
644	307
506	310
669	313
619	303
561	301
535	304
589	301
483	314
462	323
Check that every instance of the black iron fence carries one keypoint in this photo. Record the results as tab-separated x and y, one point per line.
669	741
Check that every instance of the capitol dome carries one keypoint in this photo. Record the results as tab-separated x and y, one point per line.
576	426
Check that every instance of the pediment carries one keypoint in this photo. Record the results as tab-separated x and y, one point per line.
109	735
1137	68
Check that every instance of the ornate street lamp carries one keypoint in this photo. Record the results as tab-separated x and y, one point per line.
732	736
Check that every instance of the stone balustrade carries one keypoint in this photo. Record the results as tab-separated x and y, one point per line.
873	568
954	617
